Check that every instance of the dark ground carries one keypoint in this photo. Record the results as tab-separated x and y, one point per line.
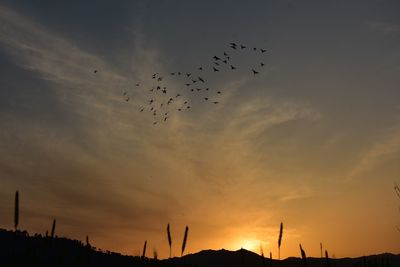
21	249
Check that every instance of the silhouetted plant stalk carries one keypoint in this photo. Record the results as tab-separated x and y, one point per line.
87	241
262	255
184	240
303	256
16	210
184	244
155	254
280	241
169	240
270	259
53	229
328	264
397	190
144	249
320	247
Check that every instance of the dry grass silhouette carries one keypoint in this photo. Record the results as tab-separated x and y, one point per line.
397	190
16	210
328	264
184	240
169	240
303	256
280	240
155	254
144	250
53	229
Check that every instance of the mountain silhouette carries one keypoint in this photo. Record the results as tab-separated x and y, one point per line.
18	248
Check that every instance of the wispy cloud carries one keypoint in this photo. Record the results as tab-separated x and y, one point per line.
384	27
383	149
114	161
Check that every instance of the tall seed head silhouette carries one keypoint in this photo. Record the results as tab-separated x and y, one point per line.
184	240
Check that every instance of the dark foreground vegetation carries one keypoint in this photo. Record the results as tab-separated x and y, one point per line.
21	249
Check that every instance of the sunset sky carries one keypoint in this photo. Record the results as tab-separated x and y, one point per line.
312	141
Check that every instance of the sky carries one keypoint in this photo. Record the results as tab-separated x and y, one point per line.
312	140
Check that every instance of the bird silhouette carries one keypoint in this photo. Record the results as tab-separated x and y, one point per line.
254	72
200	68
216	63
225	54
127	99
95	71
200	79
172	73
154	123
263	50
165	119
262	64
225	61
219	92
216	58
188	74
206	98
233	67
215	102
137	84
215	69
242	46
141	110
188	84
177	95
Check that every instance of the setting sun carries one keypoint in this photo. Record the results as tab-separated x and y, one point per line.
252	245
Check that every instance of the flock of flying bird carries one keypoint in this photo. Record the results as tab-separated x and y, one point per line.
162	101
